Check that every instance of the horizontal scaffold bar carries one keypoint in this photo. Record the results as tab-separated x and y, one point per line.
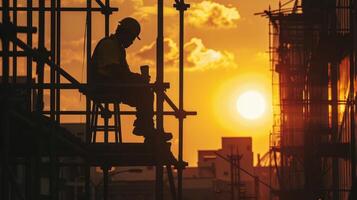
72	86
82	112
68	9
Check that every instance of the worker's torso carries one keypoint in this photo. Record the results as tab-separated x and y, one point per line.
108	60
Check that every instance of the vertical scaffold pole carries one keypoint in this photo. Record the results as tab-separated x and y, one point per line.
160	97
106	120
28	174
160	63
53	164
352	92
5	43
106	16
53	50
58	59
14	47
29	43
4	123
181	6
41	48
88	53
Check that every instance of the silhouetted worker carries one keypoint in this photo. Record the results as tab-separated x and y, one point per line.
109	67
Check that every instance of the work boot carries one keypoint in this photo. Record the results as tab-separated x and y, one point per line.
143	127
156	136
138	131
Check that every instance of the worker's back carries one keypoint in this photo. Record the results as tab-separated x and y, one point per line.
108	62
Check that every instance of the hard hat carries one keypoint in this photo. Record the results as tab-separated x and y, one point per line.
132	25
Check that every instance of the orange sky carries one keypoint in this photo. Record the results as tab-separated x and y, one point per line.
225	55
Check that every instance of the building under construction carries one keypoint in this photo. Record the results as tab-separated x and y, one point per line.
313	58
38	154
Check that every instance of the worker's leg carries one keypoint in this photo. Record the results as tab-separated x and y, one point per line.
142	98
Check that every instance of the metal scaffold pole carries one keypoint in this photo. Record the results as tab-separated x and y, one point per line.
53	59
43	52
5	43
29	160
181	6
14	47
107	19
29	43
58	59
88	41
4	124
160	93
88	54
352	92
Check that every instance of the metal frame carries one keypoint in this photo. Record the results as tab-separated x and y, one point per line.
52	58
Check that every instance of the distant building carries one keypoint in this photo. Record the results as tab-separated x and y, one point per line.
211	164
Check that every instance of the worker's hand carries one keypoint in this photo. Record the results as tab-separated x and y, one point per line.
146	78
144	69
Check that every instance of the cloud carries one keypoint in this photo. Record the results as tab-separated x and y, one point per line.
144	13
212	14
203	14
73	58
72	52
197	55
148	53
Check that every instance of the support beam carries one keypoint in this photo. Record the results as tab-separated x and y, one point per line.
29	56
160	93
107	14
181	6
58	58
4	123
88	41
42	51
352	92
53	59
62	9
14	47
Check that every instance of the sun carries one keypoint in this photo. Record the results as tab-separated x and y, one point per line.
251	105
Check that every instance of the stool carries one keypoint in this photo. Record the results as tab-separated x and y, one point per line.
101	106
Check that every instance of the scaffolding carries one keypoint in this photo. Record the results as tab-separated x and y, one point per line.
312	145
33	142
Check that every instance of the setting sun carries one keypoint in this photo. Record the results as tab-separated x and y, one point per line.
251	105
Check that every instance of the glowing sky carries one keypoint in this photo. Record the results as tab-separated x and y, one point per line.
225	55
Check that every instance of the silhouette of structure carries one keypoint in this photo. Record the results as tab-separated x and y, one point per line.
34	145
312	53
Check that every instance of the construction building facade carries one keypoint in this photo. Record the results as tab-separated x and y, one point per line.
313	58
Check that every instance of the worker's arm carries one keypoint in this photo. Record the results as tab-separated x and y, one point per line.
108	61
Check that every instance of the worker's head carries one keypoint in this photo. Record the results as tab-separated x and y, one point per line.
127	30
